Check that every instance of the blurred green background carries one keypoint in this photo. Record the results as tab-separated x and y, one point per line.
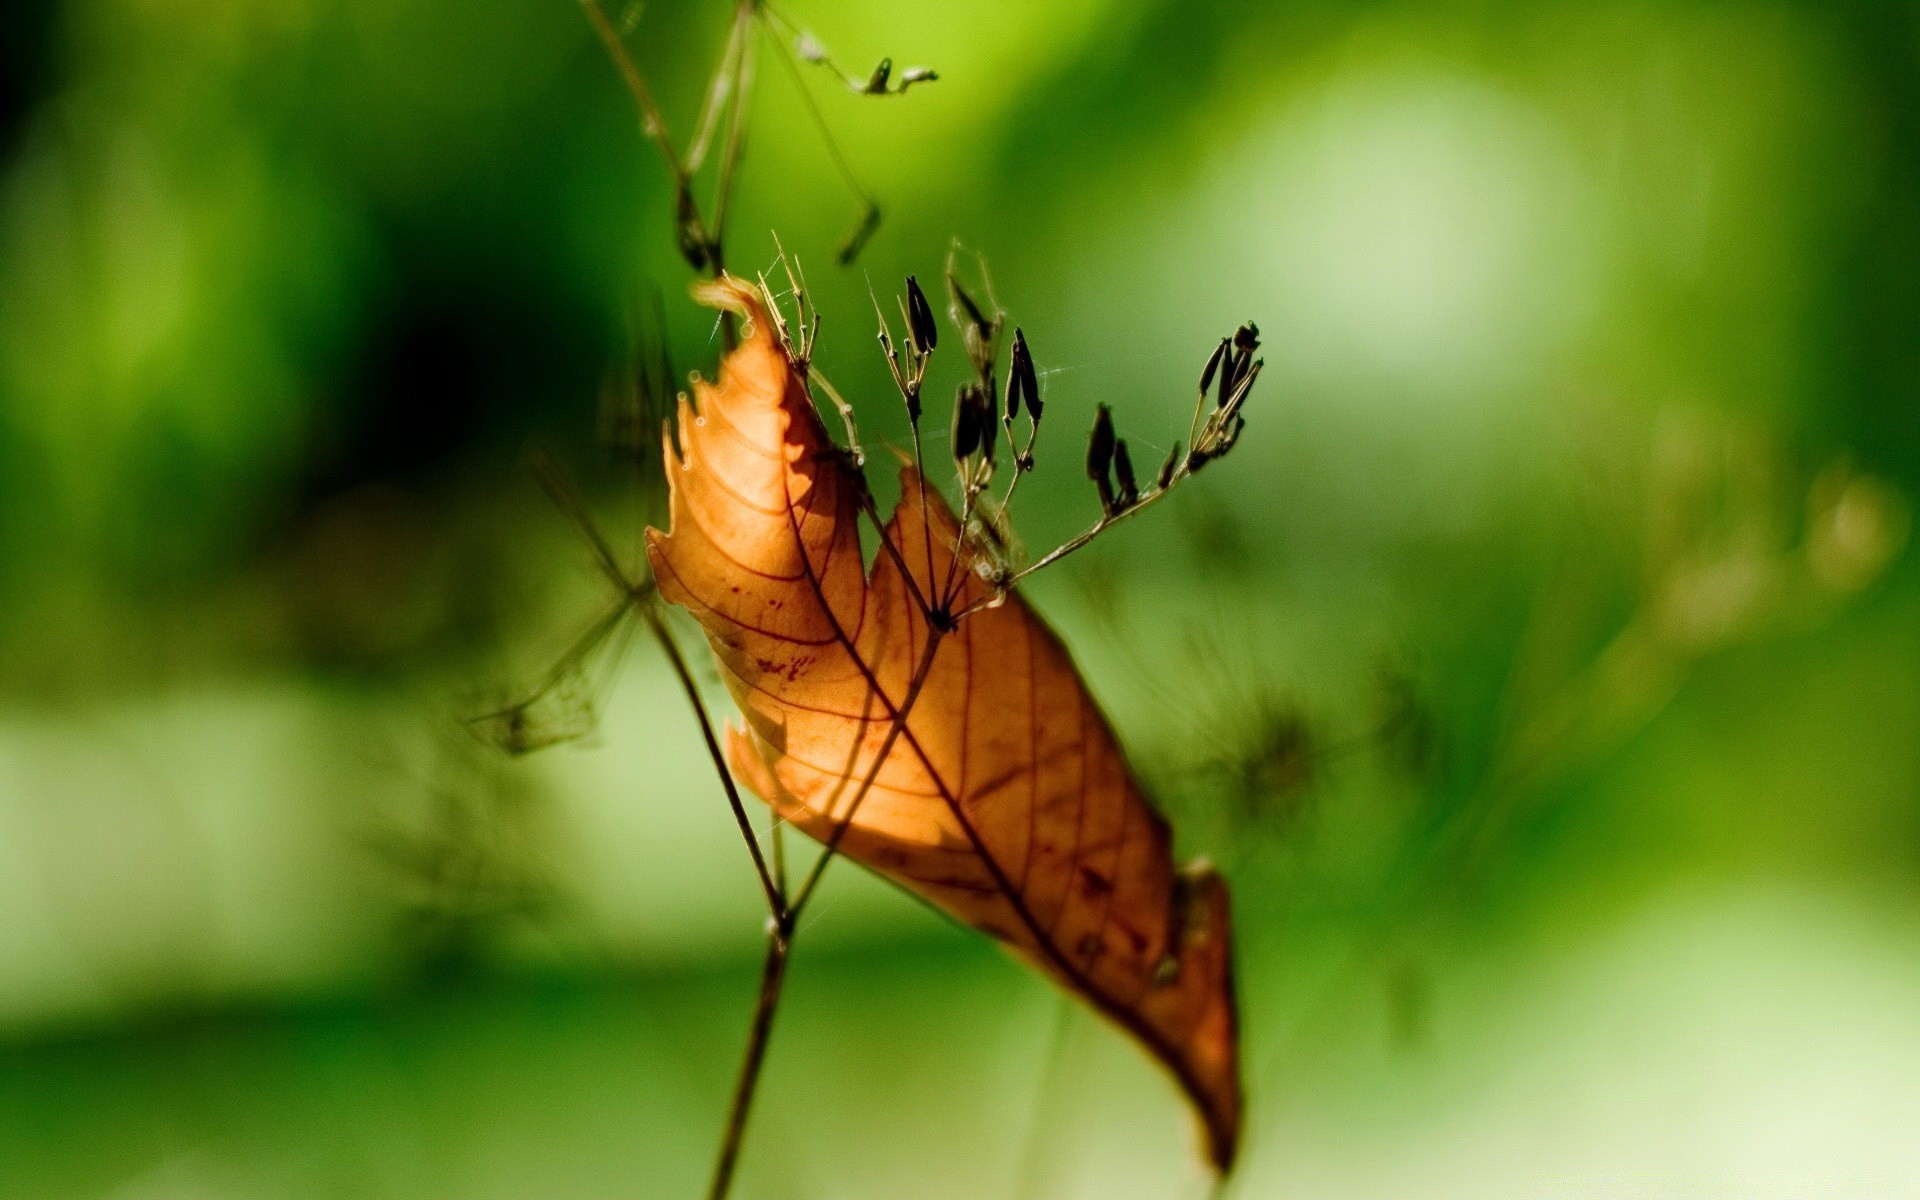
1543	669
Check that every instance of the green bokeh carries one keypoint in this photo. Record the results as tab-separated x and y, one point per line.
1542	669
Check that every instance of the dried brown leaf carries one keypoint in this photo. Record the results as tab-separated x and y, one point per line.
1006	800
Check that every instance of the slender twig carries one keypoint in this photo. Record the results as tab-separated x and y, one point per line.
893	552
869	207
564	497
736	135
956	580
895	727
776	905
773	976
782	926
575	655
845	409
1065	548
718	92
1019	472
920	482
779	855
651	120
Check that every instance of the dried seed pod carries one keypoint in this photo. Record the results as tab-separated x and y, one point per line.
1213	365
913	75
1243	387
920	322
982	400
1165	478
1023	383
966	428
960	301
1100	444
1123	469
1246	340
877	82
1100	447
1229	376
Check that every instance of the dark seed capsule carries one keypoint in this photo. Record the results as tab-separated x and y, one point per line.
1167	468
961	301
982	400
1230	372
1253	373
1100	445
920	323
687	229
1123	469
966	430
1023	383
877	84
1247	337
1213	364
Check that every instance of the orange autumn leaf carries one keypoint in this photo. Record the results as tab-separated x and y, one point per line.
1004	799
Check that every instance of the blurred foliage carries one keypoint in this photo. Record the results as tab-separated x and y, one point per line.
1543	668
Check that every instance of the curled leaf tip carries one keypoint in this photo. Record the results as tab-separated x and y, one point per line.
730	293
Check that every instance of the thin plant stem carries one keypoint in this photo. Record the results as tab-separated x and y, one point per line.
651	120
718	93
776	902
869	207
895	728
957	570
781	929
1065	548
774	834
735	146
893	552
920	482
816	377
773	977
